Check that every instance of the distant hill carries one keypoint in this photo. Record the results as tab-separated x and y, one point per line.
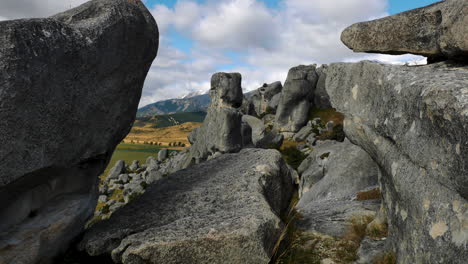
160	121
197	103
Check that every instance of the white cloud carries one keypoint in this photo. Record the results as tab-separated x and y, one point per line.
14	9
270	41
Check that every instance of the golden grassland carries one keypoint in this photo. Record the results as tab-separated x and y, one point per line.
163	135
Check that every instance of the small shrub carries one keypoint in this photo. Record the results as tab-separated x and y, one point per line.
133	196
293	156
105	209
144	185
377	230
373	194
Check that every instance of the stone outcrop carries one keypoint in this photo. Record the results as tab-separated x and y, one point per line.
225	210
221	130
437	31
262	97
413	122
296	97
331	177
321	98
70	87
260	136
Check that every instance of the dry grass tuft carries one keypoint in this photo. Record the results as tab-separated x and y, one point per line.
310	247
386	258
373	194
377	230
326	115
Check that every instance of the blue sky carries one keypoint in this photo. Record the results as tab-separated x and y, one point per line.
262	39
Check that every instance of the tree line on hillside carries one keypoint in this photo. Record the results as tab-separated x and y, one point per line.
171	144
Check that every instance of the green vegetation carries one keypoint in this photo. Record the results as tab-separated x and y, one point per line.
160	121
386	258
293	156
131	152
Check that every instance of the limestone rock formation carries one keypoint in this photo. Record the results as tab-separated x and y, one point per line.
221	130
259	135
225	210
262	97
413	122
331	177
437	31
321	98
70	87
296	97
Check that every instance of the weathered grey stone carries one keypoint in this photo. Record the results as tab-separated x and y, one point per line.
102	198
370	249
413	122
163	154
153	176
331	177
134	166
246	131
438	30
115	171
192	136
321	98
311	139
346	169
260	136
123	178
221	129
262	97
70	87
274	102
296	97
152	164
224	210
303	133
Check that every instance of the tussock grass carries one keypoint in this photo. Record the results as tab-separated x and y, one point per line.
373	194
386	258
292	156
309	247
329	114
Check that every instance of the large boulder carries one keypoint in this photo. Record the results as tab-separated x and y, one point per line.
226	210
293	109
262	97
413	123
221	129
331	177
70	87
436	31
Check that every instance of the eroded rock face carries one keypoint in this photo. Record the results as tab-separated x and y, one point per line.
413	122
321	98
259	135
224	210
296	97
331	177
262	97
70	90
221	129
437	31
